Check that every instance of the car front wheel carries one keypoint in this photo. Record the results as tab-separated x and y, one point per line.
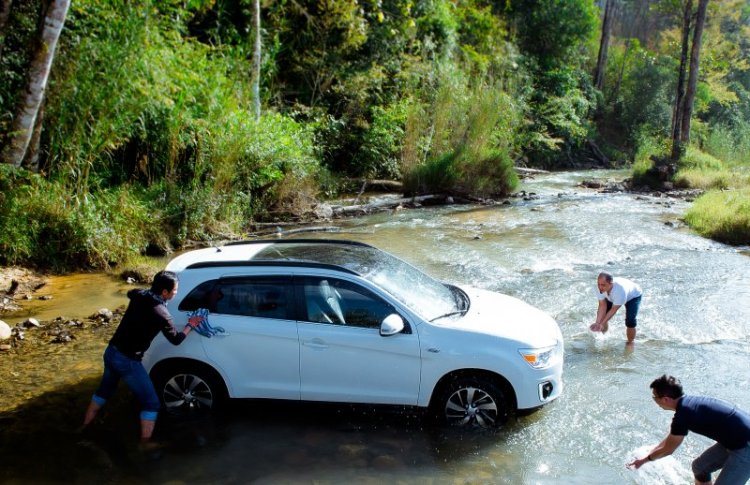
188	389
469	402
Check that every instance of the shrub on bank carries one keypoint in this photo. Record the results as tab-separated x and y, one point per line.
722	215
42	224
648	145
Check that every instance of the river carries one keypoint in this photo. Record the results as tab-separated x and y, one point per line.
693	323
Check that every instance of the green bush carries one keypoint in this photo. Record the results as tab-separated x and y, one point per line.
44	225
647	145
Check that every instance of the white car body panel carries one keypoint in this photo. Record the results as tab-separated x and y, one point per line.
350	364
260	356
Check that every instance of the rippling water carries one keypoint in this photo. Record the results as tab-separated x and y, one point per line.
547	251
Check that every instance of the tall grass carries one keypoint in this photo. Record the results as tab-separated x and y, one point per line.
460	138
722	215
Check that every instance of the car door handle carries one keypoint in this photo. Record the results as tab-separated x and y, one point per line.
316	344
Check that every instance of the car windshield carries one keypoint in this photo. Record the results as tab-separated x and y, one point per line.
423	294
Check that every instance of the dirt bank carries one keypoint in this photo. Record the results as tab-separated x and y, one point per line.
18	285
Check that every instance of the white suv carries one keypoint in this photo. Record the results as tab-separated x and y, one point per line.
341	321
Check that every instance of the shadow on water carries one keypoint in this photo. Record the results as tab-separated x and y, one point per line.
249	441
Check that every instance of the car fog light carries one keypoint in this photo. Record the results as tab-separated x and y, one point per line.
545	390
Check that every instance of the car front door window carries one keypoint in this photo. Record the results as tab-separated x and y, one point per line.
329	300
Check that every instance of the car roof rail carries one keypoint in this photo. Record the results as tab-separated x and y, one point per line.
291	264
298	241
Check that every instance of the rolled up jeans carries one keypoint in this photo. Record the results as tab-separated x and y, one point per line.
117	366
734	465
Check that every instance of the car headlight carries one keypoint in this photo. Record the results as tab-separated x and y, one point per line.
539	358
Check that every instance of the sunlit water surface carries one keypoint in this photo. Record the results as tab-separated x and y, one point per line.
694	323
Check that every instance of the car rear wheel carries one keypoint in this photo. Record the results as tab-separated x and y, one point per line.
472	402
188	389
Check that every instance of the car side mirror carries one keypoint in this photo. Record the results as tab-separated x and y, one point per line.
392	324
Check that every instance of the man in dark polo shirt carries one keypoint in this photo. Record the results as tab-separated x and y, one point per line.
719	420
146	316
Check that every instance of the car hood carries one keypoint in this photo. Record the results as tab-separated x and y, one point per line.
507	317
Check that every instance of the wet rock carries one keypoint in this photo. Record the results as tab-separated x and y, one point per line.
5	347
4	330
323	211
31	323
593	183
45	297
477	237
102	315
63	336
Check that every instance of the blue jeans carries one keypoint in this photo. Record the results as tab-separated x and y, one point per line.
116	367
734	465
631	311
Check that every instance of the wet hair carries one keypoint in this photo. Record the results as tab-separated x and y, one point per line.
667	386
605	276
164	280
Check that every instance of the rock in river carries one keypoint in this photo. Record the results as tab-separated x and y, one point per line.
4	330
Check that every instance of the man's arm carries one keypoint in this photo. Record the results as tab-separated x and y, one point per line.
601	311
665	448
610	313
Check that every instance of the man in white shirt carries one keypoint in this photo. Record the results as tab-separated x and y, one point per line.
612	294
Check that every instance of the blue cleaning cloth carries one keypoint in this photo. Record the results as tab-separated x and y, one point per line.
204	328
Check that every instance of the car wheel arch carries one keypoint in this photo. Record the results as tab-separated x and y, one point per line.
456	376
180	365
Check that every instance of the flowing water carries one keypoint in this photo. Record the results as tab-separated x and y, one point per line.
694	323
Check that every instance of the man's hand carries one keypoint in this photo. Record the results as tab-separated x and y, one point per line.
596	327
195	321
637	463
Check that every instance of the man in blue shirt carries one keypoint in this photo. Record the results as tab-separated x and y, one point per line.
718	420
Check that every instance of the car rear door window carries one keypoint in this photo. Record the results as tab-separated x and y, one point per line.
265	297
261	297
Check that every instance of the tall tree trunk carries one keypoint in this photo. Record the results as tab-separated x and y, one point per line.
33	93
256	63
635	22
695	57
4	15
677	111
31	160
601	63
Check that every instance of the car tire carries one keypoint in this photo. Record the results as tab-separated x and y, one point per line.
472	402
188	389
